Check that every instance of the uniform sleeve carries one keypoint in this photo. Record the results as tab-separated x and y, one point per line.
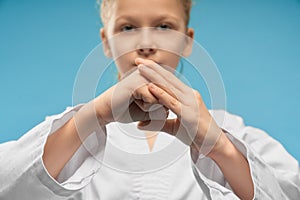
275	173
24	176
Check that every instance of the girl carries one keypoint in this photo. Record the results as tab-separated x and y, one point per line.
50	162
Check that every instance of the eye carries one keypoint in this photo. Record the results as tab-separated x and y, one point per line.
164	27
127	28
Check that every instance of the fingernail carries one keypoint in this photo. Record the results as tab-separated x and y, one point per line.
140	59
141	66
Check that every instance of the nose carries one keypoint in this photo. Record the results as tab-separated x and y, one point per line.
146	44
146	51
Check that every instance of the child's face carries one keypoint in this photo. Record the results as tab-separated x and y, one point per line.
127	15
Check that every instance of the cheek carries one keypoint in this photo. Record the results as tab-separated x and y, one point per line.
170	59
121	66
124	63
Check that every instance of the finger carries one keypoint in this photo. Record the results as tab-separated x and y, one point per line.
175	128
145	99
166	99
156	121
136	95
165	71
170	126
132	114
144	94
140	104
153	77
151	125
159	114
132	82
147	107
142	124
135	113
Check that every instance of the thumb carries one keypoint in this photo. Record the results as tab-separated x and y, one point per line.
169	126
151	125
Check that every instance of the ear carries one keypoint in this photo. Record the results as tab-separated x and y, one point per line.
106	47
189	42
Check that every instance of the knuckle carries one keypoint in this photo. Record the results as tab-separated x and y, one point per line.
135	94
173	103
197	95
147	99
144	109
162	93
152	101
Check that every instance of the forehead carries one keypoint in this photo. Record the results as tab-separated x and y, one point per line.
148	8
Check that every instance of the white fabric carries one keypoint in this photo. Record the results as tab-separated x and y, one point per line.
23	176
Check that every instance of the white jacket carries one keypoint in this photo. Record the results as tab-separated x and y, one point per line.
275	173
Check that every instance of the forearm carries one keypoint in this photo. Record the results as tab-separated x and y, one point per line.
63	143
234	166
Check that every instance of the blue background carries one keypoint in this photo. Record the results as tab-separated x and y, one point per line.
255	44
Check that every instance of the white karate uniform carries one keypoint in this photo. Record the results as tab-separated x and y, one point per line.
275	173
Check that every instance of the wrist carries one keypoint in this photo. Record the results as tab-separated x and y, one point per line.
100	115
87	121
222	149
101	110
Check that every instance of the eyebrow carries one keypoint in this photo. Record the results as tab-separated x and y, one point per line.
157	18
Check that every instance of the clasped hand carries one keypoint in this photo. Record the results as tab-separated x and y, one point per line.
147	94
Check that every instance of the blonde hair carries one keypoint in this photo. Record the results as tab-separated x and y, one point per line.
105	7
